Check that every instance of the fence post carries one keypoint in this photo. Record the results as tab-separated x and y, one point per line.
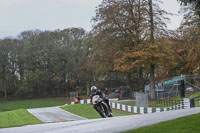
175	105
179	104
182	102
182	84
192	103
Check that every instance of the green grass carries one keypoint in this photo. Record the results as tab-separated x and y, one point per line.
18	117
84	110
87	111
131	103
193	95
33	103
117	112
187	124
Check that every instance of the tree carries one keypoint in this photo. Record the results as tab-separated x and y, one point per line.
41	64
8	66
194	3
152	66
119	24
187	41
122	29
52	59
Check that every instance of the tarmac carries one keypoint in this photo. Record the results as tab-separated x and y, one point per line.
53	114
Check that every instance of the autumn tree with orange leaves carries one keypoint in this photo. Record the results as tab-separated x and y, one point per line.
123	31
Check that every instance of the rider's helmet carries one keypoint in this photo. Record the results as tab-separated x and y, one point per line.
93	89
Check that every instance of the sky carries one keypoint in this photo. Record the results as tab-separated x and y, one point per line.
17	16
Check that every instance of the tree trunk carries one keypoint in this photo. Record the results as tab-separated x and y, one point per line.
130	84
152	81
5	93
141	79
151	21
88	88
152	66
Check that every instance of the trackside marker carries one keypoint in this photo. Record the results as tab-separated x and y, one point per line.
60	120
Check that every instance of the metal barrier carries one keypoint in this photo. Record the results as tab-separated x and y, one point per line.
195	101
170	102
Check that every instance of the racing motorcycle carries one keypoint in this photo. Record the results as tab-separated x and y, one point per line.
101	107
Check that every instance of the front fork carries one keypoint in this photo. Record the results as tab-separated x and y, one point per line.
100	110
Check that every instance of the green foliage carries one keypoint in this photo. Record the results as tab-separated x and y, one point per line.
187	124
8	79
18	117
42	63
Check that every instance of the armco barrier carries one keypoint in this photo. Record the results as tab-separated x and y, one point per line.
141	110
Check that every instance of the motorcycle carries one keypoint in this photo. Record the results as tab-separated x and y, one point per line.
101	107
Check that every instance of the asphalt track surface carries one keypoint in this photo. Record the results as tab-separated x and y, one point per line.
106	125
53	114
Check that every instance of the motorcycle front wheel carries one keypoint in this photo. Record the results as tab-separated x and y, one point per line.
107	110
100	111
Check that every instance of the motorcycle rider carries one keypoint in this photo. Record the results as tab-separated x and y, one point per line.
95	91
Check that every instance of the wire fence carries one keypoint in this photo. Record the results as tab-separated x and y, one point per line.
141	99
171	87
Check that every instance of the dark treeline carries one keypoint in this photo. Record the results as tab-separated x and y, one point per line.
50	63
128	45
40	64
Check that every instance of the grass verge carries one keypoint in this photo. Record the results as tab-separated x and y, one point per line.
18	117
187	124
87	111
33	103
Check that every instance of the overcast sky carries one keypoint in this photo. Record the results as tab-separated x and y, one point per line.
21	15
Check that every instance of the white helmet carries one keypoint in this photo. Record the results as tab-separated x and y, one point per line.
93	89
